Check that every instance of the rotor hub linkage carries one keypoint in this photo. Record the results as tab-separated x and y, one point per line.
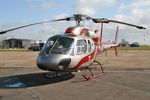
92	74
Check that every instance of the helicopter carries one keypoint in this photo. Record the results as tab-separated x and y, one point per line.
77	48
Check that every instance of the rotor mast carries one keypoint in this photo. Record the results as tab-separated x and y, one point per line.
78	22
78	19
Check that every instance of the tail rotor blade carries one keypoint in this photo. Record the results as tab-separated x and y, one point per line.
116	37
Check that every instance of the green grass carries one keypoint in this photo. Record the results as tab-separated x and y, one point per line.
135	48
13	50
119	48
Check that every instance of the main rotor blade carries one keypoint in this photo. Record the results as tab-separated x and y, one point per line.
3	32
139	27
104	20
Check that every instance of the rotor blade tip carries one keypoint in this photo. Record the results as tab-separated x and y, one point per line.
3	32
140	27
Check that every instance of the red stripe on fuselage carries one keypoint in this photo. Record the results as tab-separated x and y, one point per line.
81	33
95	39
85	59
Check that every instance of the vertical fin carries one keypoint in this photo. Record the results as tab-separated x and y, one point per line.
116	51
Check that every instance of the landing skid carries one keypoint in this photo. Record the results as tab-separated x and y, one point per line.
54	75
92	74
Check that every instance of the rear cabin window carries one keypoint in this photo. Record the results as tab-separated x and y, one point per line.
81	46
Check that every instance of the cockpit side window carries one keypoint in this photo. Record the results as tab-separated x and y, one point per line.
81	46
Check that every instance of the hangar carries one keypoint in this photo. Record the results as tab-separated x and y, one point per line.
16	43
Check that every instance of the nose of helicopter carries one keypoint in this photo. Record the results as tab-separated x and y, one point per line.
53	62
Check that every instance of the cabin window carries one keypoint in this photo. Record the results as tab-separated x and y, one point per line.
89	46
81	46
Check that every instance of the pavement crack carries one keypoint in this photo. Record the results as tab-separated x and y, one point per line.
33	94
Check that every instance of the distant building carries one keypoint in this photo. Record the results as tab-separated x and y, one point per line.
1	43
124	43
37	45
16	43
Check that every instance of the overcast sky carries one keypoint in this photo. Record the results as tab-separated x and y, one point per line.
20	12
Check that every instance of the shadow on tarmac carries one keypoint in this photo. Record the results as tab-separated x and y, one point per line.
1	97
31	80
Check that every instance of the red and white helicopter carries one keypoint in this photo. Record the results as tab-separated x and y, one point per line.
77	48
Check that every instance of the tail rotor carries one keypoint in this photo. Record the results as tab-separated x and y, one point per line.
116	41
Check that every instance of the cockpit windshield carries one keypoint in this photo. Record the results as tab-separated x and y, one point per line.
59	45
49	44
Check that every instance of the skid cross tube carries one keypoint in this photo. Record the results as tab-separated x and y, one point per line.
92	74
54	75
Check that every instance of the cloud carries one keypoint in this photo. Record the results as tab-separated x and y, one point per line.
24	33
39	32
64	15
85	6
43	5
138	13
53	28
90	7
135	5
107	3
